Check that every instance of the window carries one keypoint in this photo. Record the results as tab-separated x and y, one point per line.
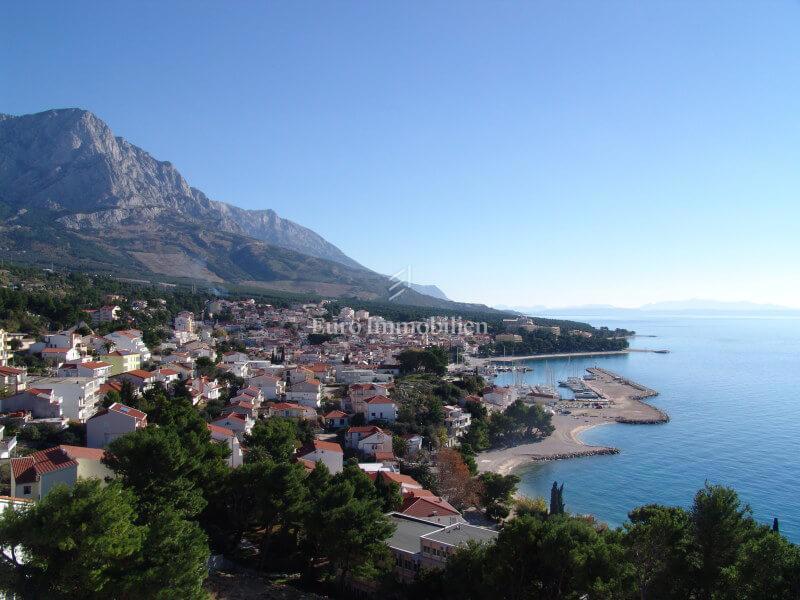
26	489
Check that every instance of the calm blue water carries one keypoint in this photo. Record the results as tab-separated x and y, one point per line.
732	389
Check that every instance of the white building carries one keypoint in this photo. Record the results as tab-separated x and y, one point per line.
131	341
381	408
80	395
184	321
226	436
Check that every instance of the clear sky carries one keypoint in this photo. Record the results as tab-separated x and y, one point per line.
521	153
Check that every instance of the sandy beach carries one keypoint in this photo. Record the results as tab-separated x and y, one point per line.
625	405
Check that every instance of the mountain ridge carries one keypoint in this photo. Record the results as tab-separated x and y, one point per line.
75	195
93	179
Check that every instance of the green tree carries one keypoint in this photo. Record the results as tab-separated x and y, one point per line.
389	494
558	557
498	494
157	467
74	543
348	527
172	563
767	567
720	525
274	438
659	545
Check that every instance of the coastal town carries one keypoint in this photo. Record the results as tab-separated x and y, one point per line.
241	364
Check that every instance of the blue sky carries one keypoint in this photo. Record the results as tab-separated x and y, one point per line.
518	153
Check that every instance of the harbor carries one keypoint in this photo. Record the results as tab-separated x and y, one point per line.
600	397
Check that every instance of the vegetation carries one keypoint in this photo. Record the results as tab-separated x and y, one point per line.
713	551
573	337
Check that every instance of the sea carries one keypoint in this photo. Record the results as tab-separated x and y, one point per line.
731	386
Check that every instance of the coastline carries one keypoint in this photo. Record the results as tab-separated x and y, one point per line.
626	405
483	361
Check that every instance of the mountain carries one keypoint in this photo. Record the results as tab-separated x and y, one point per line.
72	194
429	290
70	163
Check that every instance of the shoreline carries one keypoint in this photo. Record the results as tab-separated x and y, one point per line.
474	361
626	405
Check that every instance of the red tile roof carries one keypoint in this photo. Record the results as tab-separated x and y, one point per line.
140	373
335	414
430	506
364	429
379	400
127	410
30	468
220	430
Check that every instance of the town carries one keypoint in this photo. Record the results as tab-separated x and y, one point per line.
380	399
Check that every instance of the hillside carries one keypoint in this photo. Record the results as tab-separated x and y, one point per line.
74	195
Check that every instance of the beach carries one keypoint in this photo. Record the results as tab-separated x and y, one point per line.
625	404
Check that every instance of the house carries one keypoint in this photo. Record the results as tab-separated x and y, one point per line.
381	408
370	440
413	444
422	504
499	397
227	436
41	404
243	407
60	355
184	321
289	410
209	390
405	483
105	314
250	394
80	395
272	387
307	392
112	422
419	544
33	476
359	393
167	376
329	453
122	361
299	374
140	379
238	423
230	358
457	422
131	341
13	380
336	419
94	369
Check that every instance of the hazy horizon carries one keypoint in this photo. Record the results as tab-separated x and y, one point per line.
517	154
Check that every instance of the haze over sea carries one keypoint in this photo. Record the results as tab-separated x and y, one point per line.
731	386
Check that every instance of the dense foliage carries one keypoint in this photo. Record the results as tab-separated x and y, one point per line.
713	551
572	338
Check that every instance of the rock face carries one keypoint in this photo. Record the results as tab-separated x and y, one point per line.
75	196
69	163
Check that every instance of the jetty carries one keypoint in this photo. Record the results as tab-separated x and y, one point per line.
619	400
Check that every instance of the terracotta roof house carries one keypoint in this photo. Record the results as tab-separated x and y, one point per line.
33	476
